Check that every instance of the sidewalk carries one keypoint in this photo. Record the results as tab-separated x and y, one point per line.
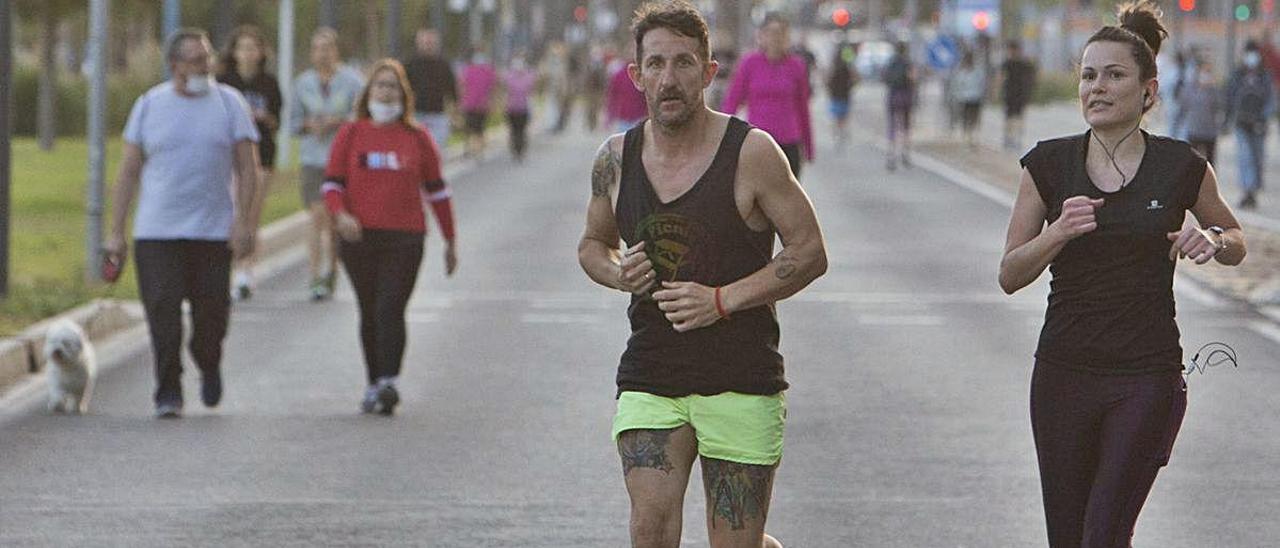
1256	281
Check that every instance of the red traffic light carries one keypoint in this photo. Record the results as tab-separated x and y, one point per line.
1268	6
1187	5
580	14
841	17
981	20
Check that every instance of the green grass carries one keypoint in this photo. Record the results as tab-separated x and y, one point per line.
47	230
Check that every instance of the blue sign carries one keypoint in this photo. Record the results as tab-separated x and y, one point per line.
943	53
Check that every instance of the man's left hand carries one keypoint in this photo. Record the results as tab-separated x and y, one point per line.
687	305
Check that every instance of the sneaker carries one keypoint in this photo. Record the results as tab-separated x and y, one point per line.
1250	201
388	396
168	410
211	388
243	286
330	282
370	402
318	290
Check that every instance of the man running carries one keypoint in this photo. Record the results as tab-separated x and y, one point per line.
697	195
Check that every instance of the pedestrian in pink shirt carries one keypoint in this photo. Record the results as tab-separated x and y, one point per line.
774	84
519	80
624	104
478	80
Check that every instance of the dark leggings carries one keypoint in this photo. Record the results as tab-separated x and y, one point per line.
519	124
1100	440
169	272
383	267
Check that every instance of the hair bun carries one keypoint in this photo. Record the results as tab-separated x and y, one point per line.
1143	19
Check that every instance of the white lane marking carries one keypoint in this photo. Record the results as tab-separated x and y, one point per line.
562	318
890	298
1266	329
1197	292
902	320
962	179
570	304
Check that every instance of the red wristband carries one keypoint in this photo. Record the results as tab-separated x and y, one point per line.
720	306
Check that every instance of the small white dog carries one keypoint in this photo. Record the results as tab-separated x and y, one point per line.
72	366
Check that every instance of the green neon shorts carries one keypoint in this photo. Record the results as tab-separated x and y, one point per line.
742	428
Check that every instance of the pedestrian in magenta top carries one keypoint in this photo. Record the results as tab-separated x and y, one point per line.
774	84
624	104
478	80
519	80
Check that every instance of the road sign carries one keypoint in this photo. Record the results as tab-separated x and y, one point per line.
942	53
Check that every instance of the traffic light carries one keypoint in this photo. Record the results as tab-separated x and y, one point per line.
1187	5
1267	6
1243	13
841	17
981	21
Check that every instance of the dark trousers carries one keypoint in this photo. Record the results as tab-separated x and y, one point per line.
792	152
1100	441
169	272
519	124
383	268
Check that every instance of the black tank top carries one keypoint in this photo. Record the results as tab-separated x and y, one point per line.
698	237
1111	307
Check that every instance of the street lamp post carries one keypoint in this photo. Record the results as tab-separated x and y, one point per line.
285	69
6	76
98	20
393	28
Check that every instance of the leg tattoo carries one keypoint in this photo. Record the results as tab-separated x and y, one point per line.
645	449
736	492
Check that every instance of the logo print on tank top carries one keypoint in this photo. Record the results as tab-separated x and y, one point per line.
1155	204
676	245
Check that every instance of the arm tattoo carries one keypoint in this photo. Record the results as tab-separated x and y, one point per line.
604	173
738	493
644	449
786	266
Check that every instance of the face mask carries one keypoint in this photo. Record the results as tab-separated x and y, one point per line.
384	112
199	84
1252	59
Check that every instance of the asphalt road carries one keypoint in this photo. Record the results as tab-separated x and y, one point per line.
908	422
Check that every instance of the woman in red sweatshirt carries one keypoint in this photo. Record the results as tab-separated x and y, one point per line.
381	168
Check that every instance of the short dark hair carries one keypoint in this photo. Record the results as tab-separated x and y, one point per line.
678	16
174	43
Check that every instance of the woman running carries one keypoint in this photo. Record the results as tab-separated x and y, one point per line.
244	67
380	166
774	84
1107	394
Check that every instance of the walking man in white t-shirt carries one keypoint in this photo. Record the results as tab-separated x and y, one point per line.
190	157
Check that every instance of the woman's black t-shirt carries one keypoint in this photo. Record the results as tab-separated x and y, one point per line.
1111	307
262	93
